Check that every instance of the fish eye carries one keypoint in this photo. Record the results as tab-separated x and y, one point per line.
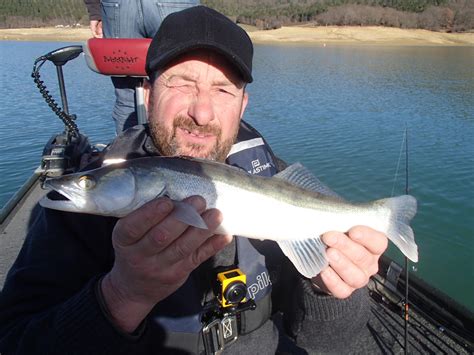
86	182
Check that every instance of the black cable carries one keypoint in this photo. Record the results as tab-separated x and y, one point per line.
67	119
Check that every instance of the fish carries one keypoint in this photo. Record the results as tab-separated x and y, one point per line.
292	208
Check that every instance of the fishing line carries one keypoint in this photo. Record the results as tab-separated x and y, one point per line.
399	160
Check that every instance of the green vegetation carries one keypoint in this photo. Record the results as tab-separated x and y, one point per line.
37	13
441	15
311	7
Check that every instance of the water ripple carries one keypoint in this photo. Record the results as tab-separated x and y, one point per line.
340	111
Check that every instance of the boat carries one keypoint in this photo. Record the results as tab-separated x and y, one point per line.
407	315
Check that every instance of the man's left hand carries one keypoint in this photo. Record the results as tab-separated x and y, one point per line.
353	258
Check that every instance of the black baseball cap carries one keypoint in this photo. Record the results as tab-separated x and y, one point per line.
200	27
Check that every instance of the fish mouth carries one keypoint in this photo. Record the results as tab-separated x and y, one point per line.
62	199
62	205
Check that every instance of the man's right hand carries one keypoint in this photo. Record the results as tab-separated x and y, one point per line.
96	28
154	255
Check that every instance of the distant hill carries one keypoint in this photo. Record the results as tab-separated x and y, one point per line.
39	13
439	15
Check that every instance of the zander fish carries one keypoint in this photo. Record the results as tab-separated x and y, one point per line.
291	208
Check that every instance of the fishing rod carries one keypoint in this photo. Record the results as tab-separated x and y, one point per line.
407	305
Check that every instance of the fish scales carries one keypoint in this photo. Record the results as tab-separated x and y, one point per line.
277	188
250	201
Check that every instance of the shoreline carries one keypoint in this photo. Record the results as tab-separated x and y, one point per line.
355	35
303	34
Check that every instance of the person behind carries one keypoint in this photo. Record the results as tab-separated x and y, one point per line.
145	283
129	19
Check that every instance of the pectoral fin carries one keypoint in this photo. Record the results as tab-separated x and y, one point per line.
186	213
308	255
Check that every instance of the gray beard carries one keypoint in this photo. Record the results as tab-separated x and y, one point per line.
166	141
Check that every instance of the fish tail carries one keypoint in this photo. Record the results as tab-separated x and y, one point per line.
403	209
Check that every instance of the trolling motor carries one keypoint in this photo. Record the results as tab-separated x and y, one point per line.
62	154
110	56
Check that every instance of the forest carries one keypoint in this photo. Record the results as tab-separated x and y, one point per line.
436	15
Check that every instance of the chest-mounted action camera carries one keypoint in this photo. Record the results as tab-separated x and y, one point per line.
232	287
221	320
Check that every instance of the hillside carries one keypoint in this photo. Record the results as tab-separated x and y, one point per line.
438	15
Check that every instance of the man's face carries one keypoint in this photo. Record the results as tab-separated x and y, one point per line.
195	106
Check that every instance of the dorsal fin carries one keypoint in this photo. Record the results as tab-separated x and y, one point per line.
300	176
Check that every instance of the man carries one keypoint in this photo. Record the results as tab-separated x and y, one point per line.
146	283
129	19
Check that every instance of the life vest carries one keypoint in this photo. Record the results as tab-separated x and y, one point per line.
179	316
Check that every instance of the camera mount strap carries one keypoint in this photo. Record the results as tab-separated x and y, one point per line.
219	334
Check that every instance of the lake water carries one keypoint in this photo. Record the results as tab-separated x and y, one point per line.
341	111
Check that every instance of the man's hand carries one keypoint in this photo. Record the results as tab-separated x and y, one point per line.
353	259
96	28
154	255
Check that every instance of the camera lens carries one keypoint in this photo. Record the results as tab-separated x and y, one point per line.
235	292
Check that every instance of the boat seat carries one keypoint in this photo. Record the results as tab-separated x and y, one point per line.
120	57
117	56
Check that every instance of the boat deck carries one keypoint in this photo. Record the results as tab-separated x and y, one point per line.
425	335
13	228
